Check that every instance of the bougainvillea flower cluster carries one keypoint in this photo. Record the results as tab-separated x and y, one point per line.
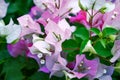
71	38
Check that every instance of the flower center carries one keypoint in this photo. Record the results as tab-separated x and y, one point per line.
82	68
104	71
40	55
57	36
42	61
114	15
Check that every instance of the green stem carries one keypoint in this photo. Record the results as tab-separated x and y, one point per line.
67	78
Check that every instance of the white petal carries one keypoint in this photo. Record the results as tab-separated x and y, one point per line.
36	38
89	48
15	31
99	4
3	8
43	47
109	7
39	3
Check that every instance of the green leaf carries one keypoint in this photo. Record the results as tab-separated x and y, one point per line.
12	69
2	39
95	30
109	31
83	44
44	76
71	56
13	8
39	76
3	55
69	45
82	32
104	52
103	43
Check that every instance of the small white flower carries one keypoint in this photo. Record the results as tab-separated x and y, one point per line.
42	61
40	55
104	71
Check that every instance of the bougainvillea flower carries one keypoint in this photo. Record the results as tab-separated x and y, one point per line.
41	63
113	18
3	8
40	46
38	51
98	20
39	4
36	12
104	72
81	17
40	16
57	33
104	5
46	16
78	69
85	67
57	7
116	51
74	6
11	31
28	25
18	48
56	64
56	10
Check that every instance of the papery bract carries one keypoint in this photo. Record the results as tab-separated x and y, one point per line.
104	72
46	16
57	33
113	18
38	3
56	64
81	17
42	67
3	8
59	7
39	46
29	26
97	5
19	48
85	67
36	12
116	51
11	31
99	20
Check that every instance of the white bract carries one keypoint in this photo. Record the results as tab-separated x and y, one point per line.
40	46
11	31
39	4
107	6
3	8
89	47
